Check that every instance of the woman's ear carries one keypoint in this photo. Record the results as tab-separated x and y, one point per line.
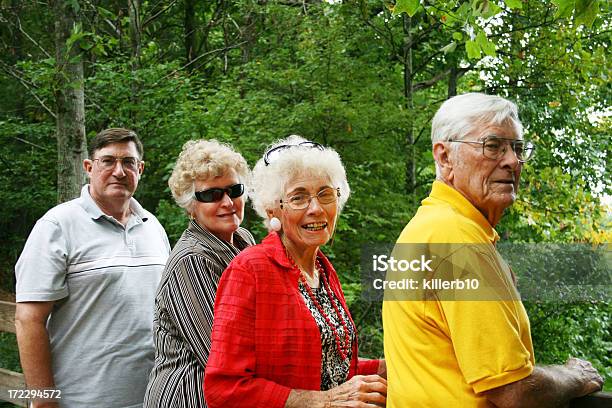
274	222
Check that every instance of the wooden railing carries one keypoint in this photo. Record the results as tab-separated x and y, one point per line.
595	400
9	380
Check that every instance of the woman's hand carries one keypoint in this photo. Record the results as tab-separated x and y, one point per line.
361	391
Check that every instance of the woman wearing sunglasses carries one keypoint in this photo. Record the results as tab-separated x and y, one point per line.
283	335
208	181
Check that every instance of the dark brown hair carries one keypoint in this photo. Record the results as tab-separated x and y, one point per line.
114	135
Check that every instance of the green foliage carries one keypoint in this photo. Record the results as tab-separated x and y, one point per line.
173	218
9	354
564	330
409	7
27	154
584	11
514	4
337	74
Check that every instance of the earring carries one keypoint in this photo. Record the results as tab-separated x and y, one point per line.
275	224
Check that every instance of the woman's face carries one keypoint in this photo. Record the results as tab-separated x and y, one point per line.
312	226
222	217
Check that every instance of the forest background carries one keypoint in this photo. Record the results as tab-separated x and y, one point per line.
362	76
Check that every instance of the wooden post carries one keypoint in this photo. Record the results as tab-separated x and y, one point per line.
10	380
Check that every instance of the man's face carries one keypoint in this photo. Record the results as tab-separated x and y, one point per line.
490	185
118	183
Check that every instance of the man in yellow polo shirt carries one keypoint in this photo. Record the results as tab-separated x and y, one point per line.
446	350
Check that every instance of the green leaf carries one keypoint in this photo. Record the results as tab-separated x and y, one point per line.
86	44
491	9
478	7
104	13
565	7
75	59
485	44
473	50
463	11
449	48
586	12
514	4
484	8
76	7
74	37
457	36
410	7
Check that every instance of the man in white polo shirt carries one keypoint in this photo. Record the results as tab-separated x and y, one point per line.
86	283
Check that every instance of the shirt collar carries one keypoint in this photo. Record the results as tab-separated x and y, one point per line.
277	253
216	243
276	250
90	206
446	193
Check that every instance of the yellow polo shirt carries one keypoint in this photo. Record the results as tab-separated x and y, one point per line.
443	353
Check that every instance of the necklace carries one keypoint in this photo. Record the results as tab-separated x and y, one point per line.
343	345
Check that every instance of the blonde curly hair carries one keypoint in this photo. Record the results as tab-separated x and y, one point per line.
202	160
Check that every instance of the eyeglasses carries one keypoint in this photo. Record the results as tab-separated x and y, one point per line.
107	163
213	195
273	153
301	201
494	147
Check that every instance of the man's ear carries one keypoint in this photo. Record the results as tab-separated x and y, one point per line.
141	167
443	156
88	166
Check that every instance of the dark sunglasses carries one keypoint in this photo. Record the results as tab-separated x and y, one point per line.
213	195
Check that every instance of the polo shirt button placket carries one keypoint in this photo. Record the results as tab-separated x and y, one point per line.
128	241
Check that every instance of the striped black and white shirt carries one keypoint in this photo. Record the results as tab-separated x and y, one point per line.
184	315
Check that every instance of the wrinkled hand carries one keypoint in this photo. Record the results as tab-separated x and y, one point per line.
586	375
361	391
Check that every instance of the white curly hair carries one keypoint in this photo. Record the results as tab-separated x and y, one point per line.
270	180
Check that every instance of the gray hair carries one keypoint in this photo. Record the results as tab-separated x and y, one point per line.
270	181
203	160
460	115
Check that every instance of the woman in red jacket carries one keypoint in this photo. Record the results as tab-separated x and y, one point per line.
282	334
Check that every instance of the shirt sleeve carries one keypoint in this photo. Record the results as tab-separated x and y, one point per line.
367	367
190	298
487	343
488	332
231	377
41	269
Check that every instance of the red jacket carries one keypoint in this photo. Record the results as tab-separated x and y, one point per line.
265	341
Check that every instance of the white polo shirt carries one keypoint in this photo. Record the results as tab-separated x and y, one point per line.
103	277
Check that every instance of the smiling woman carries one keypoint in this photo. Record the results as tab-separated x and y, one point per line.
208	181
283	335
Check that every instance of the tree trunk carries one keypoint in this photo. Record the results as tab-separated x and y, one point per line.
409	104
134	14
17	47
190	31
70	105
453	76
